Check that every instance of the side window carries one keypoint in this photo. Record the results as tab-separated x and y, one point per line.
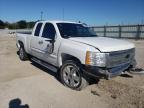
37	30
49	31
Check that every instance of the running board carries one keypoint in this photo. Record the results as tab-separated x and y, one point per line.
137	71
44	64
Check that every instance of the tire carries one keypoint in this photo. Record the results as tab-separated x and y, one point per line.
71	76
22	54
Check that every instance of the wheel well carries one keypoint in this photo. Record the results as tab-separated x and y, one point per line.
69	57
21	43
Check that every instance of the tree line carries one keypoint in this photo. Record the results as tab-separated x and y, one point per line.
22	24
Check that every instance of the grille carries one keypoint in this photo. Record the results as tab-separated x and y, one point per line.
120	57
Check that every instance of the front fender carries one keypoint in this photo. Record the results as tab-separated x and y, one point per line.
76	49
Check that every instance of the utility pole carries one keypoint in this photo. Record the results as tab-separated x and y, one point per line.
63	14
142	21
41	15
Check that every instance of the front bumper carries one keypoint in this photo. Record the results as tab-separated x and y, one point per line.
107	73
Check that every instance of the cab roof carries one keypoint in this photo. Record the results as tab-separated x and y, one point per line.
55	21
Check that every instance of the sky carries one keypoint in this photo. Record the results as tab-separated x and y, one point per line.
92	12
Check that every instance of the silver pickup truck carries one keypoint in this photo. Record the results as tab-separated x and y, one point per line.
75	52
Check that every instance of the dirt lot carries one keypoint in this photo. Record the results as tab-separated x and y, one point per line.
26	83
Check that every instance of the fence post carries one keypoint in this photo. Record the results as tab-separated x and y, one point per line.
138	32
104	31
120	31
93	28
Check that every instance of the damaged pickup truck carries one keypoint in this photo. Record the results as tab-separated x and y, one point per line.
75	52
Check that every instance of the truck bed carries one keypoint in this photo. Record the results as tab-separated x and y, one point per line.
25	32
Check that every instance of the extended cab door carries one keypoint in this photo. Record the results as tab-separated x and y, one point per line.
36	41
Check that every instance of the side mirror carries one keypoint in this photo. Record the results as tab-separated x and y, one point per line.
50	45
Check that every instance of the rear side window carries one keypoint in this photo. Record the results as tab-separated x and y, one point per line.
49	31
37	30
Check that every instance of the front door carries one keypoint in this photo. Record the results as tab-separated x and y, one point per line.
48	46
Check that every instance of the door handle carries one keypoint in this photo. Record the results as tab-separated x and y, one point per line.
40	42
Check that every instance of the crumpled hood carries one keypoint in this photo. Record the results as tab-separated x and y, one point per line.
105	44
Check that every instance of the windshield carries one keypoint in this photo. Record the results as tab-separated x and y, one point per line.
74	30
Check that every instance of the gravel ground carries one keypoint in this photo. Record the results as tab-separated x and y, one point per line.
27	84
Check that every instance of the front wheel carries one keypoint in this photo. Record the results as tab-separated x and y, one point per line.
71	76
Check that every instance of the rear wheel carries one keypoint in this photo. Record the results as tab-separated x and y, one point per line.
71	76
22	54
